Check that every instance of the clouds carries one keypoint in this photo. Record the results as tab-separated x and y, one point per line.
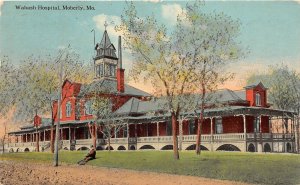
1	4
171	11
112	21
297	1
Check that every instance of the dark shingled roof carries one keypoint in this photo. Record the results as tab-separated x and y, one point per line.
110	86
226	95
241	94
135	105
106	48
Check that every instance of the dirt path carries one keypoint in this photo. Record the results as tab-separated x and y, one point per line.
15	173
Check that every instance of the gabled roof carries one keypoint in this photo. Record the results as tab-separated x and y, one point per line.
137	106
108	85
224	96
250	86
241	94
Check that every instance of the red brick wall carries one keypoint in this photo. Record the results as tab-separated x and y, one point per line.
251	95
185	127
152	129
206	127
141	130
233	124
162	129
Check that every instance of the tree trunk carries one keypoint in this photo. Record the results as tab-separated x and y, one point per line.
174	134
109	142
52	138
3	145
297	133
94	136
37	142
199	133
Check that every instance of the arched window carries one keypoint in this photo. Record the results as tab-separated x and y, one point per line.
257	99
68	109
88	108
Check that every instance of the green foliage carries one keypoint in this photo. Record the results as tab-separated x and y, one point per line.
283	87
243	167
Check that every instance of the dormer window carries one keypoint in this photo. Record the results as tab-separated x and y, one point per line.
257	99
68	109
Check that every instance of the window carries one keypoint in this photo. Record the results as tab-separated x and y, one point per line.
219	126
97	71
257	99
256	125
112	70
68	109
88	108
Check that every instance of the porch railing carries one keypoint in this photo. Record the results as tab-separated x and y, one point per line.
84	142
166	139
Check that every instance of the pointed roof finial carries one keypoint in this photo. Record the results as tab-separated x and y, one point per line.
105	25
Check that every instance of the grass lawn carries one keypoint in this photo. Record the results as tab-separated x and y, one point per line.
244	167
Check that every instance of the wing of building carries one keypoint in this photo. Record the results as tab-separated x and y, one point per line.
234	120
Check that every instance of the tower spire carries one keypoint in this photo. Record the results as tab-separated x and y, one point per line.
105	25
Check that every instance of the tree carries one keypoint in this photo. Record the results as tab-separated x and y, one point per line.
208	41
157	61
100	98
284	90
40	83
193	55
8	92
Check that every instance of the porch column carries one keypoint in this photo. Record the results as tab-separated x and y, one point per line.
260	136
295	133
128	130
211	135
62	134
69	133
157	129
245	131
44	135
26	138
74	133
283	135
115	130
135	134
271	133
147	129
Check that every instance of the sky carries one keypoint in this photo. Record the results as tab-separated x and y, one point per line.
270	30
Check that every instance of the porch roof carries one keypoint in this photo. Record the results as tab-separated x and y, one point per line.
147	118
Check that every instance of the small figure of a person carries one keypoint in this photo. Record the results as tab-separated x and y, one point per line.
90	156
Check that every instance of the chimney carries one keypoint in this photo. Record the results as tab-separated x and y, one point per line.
120	71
